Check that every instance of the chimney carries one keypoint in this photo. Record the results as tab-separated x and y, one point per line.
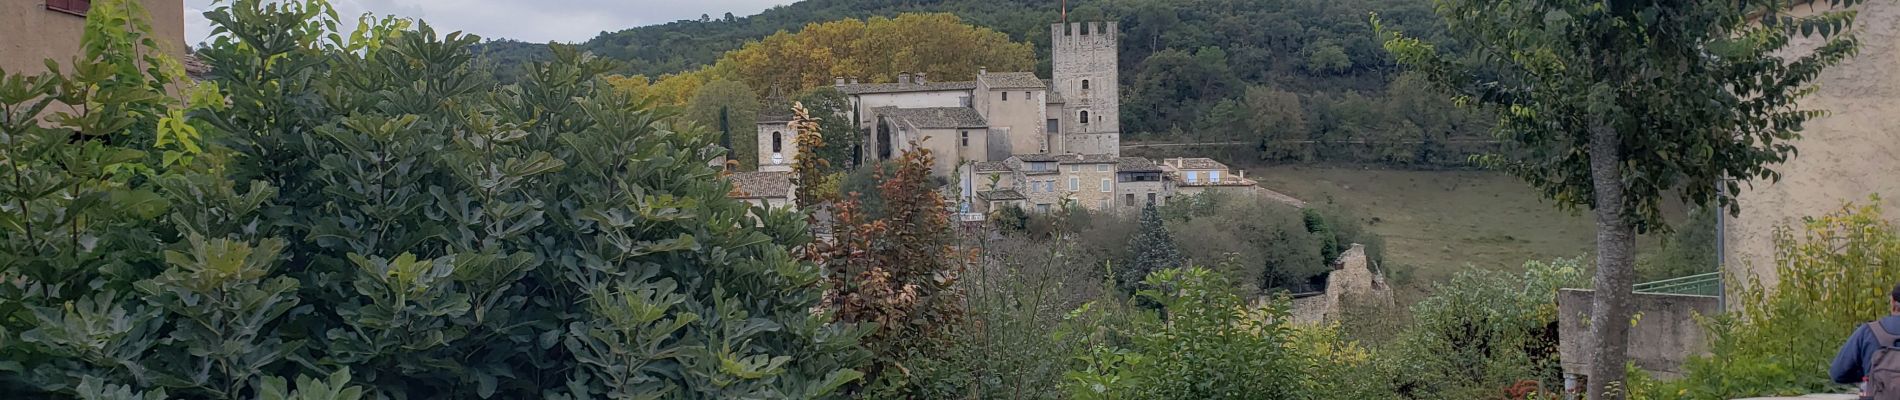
854	81
1242	172
920	78
837	81
980	71
903	78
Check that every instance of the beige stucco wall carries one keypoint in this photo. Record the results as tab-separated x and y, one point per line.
30	34
943	146
976	149
1846	156
1021	117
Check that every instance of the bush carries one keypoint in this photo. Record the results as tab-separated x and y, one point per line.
1152	249
1211	346
1006	348
1832	278
1688	251
373	212
1481	332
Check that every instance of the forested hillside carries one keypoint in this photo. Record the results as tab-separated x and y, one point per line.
1292	75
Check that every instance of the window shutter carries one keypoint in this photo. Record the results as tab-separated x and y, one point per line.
74	7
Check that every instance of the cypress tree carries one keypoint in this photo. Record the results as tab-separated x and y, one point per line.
1154	250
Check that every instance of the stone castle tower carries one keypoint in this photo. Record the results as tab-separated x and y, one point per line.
1084	63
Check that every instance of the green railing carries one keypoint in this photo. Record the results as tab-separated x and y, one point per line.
1709	284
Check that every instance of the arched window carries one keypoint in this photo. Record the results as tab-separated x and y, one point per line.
1085	84
777	141
1085	116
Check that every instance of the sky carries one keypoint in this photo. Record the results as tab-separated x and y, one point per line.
525	20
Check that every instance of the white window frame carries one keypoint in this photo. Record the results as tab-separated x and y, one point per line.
1101	167
1106	187
1193	177
1213	176
1075	184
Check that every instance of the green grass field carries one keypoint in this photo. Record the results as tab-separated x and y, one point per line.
1438	222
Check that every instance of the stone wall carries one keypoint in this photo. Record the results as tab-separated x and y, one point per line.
1845	156
1352	277
1664	336
1093	143
1087	51
787	145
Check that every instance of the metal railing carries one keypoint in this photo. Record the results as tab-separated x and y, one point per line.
1709	284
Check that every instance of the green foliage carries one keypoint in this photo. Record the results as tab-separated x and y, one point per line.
1152	249
1015	343
1725	116
1831	277
840	135
1481	332
1614	105
1213	345
731	106
1688	251
373	211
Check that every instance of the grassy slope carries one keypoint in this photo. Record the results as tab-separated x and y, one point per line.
1437	222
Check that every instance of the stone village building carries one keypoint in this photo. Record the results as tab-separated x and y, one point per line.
1011	139
32	31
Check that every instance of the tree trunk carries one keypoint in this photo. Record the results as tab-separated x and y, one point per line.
1616	249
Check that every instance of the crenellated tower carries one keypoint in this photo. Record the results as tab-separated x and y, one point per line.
1084	60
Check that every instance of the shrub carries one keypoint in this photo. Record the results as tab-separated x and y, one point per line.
373	212
896	275
1152	249
1833	277
1212	345
1013	343
1480	332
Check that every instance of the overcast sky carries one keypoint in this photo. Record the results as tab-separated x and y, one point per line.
526	20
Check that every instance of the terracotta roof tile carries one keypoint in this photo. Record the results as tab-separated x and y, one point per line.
936	117
753	185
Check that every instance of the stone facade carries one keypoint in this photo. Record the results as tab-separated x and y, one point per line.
1139	182
1045	144
1089	180
1084	65
778	146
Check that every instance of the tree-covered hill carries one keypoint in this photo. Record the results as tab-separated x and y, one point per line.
1290	74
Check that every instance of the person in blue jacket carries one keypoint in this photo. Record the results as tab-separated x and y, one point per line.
1856	357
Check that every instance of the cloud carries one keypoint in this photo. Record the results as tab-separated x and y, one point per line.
526	20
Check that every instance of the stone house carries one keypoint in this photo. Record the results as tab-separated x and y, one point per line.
1037	177
1195	175
1140	182
953	135
1088	179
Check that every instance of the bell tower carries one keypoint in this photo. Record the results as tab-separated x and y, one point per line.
1084	63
